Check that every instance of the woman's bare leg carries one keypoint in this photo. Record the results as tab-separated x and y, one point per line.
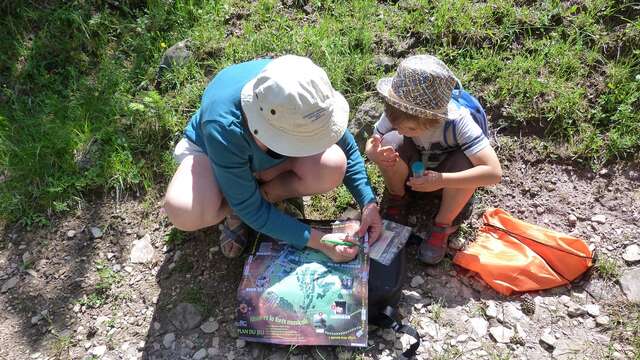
193	200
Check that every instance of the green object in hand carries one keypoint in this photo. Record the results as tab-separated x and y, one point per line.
334	239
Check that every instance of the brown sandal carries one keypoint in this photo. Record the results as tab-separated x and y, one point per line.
233	238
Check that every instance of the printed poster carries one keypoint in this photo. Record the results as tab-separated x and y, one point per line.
290	296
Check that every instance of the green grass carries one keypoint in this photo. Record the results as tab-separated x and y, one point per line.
80	114
107	278
437	310
626	326
608	268
174	237
195	295
61	344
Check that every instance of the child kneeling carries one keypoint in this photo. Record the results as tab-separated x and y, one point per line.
413	128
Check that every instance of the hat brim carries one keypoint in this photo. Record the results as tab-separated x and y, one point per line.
384	89
288	144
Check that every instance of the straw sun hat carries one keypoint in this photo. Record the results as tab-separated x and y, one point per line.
422	87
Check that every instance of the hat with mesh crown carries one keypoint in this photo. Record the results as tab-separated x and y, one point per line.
422	86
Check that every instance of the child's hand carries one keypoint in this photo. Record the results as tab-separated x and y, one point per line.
429	181
383	156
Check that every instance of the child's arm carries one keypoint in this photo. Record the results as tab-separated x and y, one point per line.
486	170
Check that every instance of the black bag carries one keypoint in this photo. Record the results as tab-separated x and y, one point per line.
385	290
385	285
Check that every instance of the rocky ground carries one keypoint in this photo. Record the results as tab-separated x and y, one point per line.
113	281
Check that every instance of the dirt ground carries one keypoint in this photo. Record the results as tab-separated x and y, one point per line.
68	293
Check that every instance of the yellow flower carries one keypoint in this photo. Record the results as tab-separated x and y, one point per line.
163	45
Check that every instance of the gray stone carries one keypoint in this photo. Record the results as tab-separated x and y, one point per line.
384	62
9	284
98	350
361	126
491	310
547	339
417	281
510	314
471	345
215	342
572	219
142	251
200	354
602	320
601	289
178	54
412	297
185	316
209	326
26	258
501	334
574	310
567	349
618	356
429	327
630	284
599	219
479	327
240	343
168	340
592	309
96	232
36	319
406	341
631	253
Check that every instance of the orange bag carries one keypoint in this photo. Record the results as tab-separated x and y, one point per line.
512	255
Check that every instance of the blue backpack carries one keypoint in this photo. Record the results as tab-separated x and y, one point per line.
462	98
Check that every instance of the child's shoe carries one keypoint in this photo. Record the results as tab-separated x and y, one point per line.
433	249
394	208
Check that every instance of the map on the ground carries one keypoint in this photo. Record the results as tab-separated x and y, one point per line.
393	238
301	297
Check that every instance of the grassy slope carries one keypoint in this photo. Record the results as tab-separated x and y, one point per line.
79	113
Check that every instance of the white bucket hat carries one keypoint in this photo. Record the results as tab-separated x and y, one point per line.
292	108
422	86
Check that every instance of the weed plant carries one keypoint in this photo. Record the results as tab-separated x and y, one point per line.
82	111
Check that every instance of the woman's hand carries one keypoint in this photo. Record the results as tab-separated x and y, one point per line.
370	221
340	253
337	253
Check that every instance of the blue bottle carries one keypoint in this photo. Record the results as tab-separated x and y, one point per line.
417	168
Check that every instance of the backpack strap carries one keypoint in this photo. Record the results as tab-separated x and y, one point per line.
462	98
389	319
450	127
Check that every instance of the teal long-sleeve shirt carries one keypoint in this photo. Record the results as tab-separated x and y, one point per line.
217	128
